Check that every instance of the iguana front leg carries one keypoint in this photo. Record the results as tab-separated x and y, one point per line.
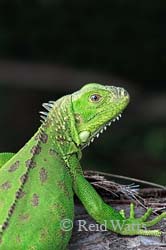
4	157
106	215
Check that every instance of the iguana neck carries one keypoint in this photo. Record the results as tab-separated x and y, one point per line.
60	128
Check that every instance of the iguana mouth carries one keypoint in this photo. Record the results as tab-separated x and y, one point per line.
101	130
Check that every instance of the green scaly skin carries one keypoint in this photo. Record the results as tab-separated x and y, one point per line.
38	182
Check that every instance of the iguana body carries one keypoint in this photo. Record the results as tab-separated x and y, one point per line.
37	183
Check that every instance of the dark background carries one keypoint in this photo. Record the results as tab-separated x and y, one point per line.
51	48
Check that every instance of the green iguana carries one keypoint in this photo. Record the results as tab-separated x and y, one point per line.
37	183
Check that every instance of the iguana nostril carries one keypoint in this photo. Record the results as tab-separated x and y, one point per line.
125	93
121	92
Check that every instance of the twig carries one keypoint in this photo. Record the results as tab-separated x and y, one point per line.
128	178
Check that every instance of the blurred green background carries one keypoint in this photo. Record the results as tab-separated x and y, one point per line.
51	48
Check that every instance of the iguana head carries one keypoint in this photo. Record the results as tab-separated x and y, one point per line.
95	107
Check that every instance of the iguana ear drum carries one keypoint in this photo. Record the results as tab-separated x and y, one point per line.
78	118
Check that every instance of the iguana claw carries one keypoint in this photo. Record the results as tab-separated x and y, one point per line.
138	226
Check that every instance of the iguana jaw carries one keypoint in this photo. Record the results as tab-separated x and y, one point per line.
100	131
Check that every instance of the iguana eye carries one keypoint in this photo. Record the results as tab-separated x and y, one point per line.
95	98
